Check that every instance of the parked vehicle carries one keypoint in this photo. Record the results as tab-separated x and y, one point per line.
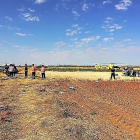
129	71
4	69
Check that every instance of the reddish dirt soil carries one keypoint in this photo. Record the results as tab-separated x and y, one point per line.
113	107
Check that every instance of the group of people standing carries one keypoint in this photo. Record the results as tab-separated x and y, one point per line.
11	70
42	69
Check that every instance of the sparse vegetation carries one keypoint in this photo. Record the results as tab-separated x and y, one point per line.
74	69
94	110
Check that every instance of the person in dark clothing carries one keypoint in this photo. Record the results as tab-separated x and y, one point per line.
112	72
6	70
26	71
14	69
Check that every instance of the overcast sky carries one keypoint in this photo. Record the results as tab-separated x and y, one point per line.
70	31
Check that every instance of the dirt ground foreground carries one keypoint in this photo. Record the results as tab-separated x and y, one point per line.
64	108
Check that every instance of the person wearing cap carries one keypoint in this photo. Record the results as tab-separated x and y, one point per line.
112	73
42	69
33	71
26	71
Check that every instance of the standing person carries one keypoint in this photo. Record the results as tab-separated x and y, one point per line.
42	69
26	71
33	71
14	71
11	70
6	70
112	72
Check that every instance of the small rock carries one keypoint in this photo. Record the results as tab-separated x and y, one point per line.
71	87
93	113
4	78
56	91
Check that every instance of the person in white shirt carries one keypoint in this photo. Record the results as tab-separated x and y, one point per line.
11	70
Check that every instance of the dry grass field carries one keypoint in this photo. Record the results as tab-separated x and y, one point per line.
88	75
96	109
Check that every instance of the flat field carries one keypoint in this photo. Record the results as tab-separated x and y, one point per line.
88	75
70	105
